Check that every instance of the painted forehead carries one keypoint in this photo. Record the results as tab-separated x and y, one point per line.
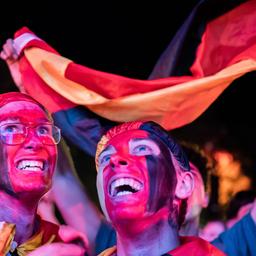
154	132
127	136
133	137
22	111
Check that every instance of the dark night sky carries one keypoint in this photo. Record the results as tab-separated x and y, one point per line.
127	37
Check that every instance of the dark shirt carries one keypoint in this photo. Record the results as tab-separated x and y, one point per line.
240	240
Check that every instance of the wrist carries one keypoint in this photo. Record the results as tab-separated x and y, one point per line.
21	41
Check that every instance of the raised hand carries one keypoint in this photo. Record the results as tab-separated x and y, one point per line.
60	249
10	56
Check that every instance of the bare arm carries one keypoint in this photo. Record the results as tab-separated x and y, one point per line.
70	197
9	55
253	211
68	192
59	249
74	243
46	208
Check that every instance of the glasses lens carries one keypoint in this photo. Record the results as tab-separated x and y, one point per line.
13	134
49	133
16	133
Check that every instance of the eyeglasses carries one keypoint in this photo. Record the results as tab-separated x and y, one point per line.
16	133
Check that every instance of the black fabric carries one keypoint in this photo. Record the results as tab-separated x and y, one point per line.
82	127
180	53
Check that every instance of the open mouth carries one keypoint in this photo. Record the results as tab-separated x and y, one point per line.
31	165
124	186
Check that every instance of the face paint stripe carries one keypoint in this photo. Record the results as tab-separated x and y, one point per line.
5	178
162	177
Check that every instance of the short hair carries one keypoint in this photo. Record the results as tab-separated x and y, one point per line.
201	160
152	128
240	199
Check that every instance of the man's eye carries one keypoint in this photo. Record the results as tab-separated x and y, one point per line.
105	159
44	130
12	128
142	150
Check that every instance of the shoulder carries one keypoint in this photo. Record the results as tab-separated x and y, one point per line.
106	237
198	246
109	252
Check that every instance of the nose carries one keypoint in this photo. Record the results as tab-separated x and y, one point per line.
32	141
118	161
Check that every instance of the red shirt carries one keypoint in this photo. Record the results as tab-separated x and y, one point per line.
190	246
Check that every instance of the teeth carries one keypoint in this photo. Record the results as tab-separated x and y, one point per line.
121	193
116	190
31	165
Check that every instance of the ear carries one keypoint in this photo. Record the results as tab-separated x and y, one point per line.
185	185
206	200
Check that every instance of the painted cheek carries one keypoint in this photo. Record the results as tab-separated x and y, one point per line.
137	167
4	174
161	183
100	190
107	175
52	151
22	181
101	193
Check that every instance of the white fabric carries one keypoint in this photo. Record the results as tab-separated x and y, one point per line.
20	42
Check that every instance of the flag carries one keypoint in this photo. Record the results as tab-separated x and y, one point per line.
91	101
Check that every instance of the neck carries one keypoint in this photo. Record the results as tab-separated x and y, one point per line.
190	227
19	212
155	240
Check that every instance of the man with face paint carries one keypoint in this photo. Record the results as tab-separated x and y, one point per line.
143	182
28	153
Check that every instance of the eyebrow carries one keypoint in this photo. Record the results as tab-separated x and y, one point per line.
16	118
139	139
142	139
43	120
106	149
9	119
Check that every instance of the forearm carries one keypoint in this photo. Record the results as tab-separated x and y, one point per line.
76	208
253	212
71	199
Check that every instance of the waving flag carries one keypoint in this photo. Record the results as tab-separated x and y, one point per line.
90	101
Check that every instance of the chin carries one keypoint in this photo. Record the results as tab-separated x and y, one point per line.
32	190
125	215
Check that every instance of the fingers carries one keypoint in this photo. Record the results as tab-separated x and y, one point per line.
69	234
3	55
59	249
8	52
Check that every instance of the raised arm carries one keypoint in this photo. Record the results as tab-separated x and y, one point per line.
10	56
253	211
76	207
78	124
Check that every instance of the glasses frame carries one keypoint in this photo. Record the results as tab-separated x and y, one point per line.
27	127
